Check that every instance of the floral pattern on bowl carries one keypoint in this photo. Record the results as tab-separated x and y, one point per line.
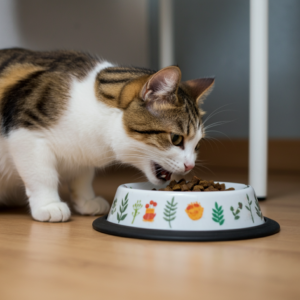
137	205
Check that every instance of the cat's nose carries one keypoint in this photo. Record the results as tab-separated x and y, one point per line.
188	167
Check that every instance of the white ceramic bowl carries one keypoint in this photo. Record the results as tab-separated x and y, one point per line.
137	205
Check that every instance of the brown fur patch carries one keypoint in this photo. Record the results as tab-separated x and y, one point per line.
117	86
131	91
73	63
14	73
154	129
31	97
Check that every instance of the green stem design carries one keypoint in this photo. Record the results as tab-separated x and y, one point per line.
237	211
249	207
137	206
257	208
114	207
218	214
170	211
122	209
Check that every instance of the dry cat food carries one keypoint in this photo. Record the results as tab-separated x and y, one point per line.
195	185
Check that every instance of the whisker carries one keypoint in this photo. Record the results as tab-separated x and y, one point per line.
221	133
216	111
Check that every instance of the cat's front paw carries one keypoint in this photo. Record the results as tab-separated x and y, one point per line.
53	212
96	206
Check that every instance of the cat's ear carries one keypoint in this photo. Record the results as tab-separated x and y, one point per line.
162	85
199	88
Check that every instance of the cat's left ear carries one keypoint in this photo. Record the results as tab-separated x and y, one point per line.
162	86
200	88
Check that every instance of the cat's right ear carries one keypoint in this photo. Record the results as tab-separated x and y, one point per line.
199	88
162	85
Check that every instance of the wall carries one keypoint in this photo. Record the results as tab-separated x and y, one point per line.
114	29
212	38
9	30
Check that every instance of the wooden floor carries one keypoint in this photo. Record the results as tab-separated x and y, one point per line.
72	261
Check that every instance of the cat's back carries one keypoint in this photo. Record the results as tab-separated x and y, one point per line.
34	85
69	62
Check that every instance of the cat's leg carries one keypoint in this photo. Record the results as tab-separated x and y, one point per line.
36	165
83	196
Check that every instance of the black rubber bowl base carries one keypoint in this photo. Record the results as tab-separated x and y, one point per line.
268	228
261	198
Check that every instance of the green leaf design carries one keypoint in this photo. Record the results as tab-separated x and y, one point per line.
136	207
218	214
249	207
122	209
170	211
113	207
257	208
171	208
237	211
170	215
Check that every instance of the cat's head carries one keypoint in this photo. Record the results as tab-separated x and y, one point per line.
162	118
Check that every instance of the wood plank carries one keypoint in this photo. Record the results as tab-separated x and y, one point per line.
72	261
283	154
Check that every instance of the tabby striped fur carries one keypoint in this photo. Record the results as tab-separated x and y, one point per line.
65	113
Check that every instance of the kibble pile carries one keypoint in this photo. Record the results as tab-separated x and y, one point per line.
196	185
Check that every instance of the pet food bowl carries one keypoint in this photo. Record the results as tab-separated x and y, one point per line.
140	212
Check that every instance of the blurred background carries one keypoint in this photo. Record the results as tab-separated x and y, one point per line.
211	38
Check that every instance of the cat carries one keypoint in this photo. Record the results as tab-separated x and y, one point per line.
65	113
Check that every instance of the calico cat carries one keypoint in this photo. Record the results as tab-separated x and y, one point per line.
65	113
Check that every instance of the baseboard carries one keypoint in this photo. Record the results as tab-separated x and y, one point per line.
283	155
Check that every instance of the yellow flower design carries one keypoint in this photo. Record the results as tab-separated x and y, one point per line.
194	211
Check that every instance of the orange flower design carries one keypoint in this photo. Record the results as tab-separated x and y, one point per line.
150	212
194	211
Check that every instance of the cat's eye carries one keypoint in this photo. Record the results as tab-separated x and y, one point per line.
197	146
176	139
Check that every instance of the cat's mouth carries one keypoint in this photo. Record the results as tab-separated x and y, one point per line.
161	173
